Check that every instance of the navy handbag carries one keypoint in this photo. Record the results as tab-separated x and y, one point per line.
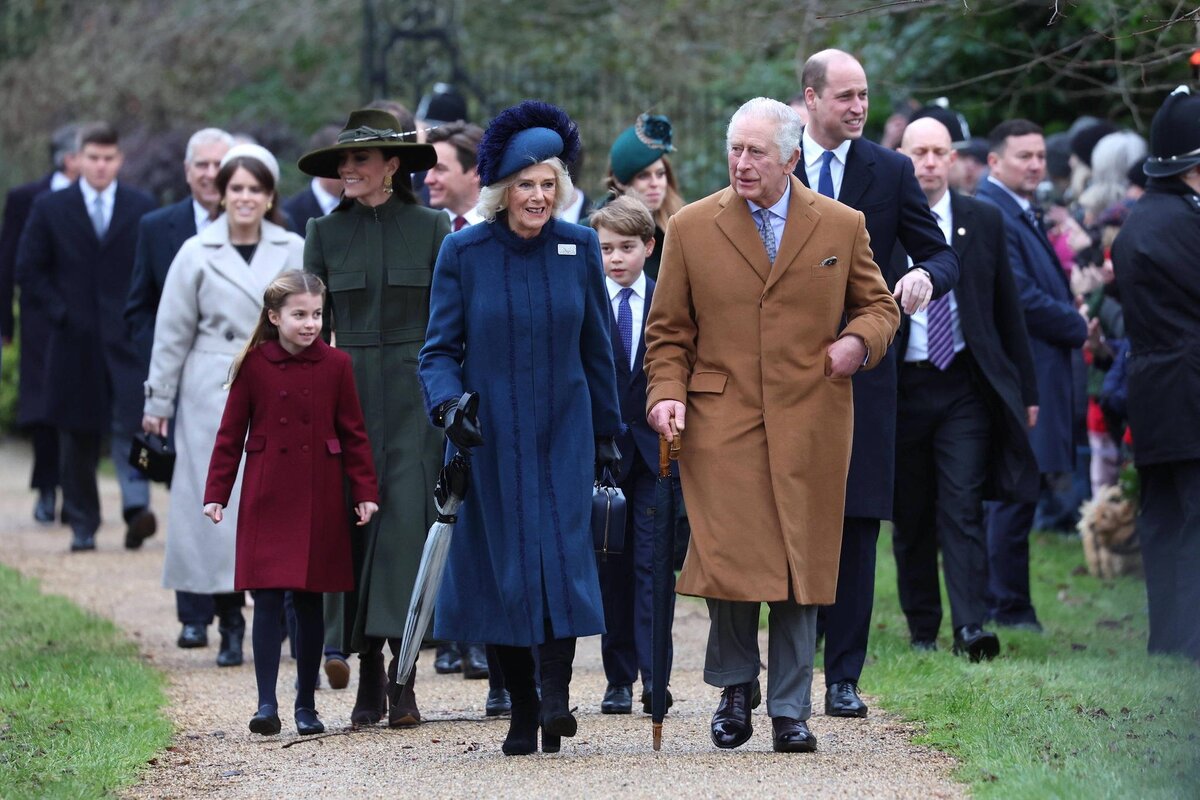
608	517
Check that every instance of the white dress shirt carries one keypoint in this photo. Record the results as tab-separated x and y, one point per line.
59	181
325	200
918	332
107	198
473	217
201	215
637	305
778	215
812	163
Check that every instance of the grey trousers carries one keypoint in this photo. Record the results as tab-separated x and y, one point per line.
732	656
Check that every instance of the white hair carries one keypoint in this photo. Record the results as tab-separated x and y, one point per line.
205	136
1111	160
788	126
494	198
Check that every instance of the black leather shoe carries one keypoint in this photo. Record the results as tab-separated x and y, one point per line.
792	736
618	699
140	525
448	659
43	509
646	698
842	700
498	703
82	541
731	723
474	662
307	722
924	645
230	654
193	636
266	721
976	643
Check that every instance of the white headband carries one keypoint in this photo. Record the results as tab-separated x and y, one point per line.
258	153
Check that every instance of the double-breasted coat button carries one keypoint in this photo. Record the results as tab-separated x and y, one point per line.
304	366
282	367
283	449
283	420
305	393
304	448
283	393
229	336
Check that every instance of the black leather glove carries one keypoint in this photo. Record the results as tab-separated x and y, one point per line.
461	420
608	456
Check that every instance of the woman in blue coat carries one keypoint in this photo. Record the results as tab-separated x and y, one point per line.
518	314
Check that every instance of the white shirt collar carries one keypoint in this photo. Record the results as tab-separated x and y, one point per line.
779	209
1021	201
473	217
942	209
614	288
814	151
325	200
89	194
200	215
59	181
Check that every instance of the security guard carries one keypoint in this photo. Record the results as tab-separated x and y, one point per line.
1157	262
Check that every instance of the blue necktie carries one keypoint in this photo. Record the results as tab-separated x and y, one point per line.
825	180
767	231
625	324
939	329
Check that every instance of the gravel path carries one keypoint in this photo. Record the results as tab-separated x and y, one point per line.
457	751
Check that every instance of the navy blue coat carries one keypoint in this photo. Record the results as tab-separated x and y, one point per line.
94	374
302	207
35	328
638	440
1056	329
524	322
881	184
160	235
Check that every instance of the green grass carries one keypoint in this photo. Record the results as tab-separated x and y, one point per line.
1079	712
80	714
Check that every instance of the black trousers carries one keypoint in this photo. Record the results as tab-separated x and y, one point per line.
942	436
1169	530
44	477
199	609
847	623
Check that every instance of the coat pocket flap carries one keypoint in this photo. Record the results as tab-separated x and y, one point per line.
708	382
345	281
334	447
409	276
255	444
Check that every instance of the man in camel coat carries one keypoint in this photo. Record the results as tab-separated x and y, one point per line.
768	301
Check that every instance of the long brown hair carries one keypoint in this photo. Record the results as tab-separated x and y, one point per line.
672	199
264	178
286	284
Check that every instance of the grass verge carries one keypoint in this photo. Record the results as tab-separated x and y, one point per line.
80	714
1080	711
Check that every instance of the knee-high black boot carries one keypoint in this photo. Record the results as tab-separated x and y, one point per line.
371	702
517	665
556	656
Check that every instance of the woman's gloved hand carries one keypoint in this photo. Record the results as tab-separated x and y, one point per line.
461	424
608	456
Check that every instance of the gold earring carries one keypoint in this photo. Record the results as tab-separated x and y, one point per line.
387	184
222	202
270	204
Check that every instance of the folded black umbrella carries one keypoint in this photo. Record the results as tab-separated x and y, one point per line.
663	582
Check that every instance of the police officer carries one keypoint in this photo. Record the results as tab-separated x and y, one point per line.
1157	263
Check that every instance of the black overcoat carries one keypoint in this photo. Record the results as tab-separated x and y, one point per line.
160	235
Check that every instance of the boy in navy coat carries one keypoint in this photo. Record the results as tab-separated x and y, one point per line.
626	231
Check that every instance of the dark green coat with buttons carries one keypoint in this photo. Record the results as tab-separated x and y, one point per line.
377	264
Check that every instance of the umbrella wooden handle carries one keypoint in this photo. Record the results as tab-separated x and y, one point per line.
668	451
657	733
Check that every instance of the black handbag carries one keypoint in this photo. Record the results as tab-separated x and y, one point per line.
153	456
608	517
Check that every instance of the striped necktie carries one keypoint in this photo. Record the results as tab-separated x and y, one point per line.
940	329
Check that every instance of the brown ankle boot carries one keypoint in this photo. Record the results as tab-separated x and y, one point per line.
402	701
371	702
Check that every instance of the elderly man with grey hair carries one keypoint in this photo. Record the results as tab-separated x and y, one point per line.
160	235
746	348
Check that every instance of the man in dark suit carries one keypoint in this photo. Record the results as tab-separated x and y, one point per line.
967	394
74	262
162	232
322	194
839	163
34	327
160	235
1017	160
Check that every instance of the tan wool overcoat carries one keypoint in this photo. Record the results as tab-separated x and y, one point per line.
742	344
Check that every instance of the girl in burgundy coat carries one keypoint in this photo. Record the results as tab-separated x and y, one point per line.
296	396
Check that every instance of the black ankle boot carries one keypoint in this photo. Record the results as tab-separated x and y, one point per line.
402	699
232	634
371	702
517	664
557	720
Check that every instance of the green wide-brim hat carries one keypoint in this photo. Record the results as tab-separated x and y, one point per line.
639	146
367	128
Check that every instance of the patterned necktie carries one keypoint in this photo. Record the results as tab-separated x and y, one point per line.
460	223
767	231
825	180
98	222
625	323
939	329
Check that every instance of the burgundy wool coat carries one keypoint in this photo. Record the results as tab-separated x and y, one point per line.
306	434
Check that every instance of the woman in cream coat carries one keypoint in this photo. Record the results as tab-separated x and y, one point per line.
210	303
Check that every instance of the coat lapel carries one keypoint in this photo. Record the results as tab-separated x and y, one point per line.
860	171
801	222
79	209
121	215
228	262
269	258
735	222
962	238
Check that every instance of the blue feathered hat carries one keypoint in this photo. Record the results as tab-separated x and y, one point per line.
523	135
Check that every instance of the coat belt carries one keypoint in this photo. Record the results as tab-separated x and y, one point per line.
408	335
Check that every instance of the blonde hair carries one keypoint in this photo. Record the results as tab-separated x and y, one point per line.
494	198
672	199
286	284
625	216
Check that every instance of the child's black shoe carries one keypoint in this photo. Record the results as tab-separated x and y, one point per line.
266	721
307	723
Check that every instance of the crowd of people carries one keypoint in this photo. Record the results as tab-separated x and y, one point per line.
965	336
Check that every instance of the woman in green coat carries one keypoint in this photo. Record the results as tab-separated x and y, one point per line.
375	253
